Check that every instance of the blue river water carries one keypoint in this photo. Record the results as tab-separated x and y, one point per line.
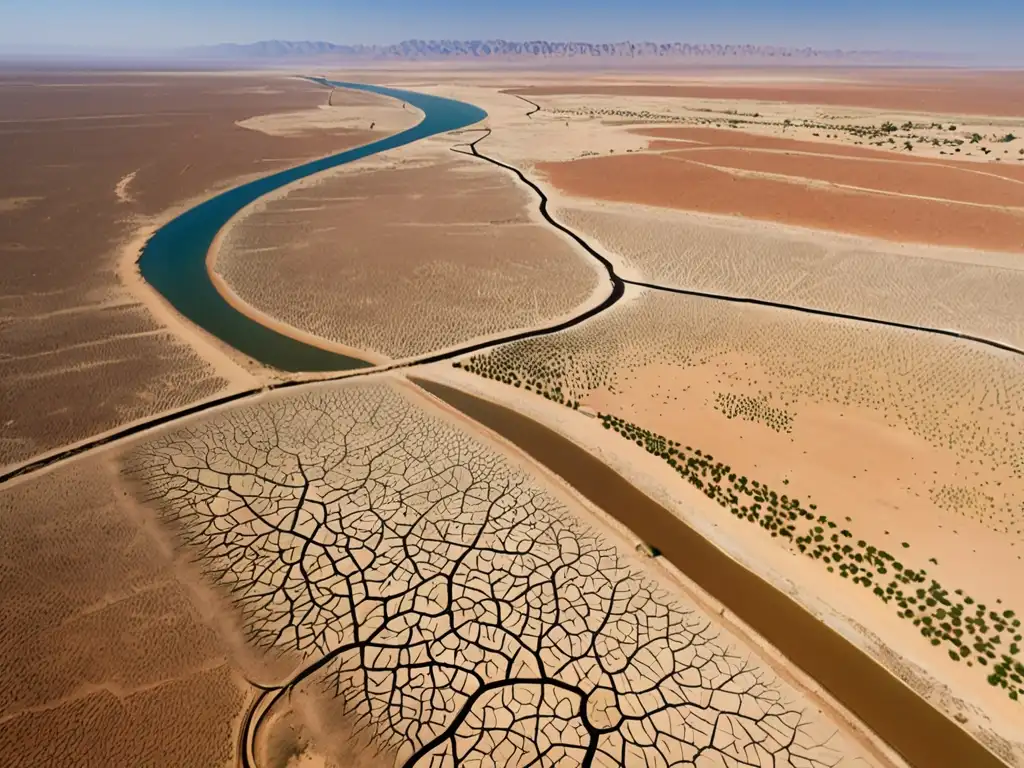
173	261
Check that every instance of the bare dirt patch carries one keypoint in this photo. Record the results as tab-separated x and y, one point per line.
914	179
9	204
106	660
360	112
404	260
656	180
994	142
685	138
719	137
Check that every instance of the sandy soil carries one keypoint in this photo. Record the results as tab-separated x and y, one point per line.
974	292
916	456
907	442
677	181
496	531
93	159
105	652
943	92
345	110
352	256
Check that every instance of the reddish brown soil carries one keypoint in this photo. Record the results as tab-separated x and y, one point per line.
661	181
948	183
672	138
962	93
72	367
721	137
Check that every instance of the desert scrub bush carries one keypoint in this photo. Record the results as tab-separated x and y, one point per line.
940	619
755	409
965	628
564	370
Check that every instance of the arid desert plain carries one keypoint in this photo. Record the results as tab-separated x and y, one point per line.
657	418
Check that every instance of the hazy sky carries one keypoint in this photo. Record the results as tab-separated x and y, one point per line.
989	26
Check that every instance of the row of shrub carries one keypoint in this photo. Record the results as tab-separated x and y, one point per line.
972	632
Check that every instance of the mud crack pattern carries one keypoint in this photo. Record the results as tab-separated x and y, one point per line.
458	612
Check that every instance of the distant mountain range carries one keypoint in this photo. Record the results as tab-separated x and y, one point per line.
505	50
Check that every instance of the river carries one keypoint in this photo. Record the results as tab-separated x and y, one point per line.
173	261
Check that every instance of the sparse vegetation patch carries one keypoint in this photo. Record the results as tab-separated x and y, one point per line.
756	409
966	629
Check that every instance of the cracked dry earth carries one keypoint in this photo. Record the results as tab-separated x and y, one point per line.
449	607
